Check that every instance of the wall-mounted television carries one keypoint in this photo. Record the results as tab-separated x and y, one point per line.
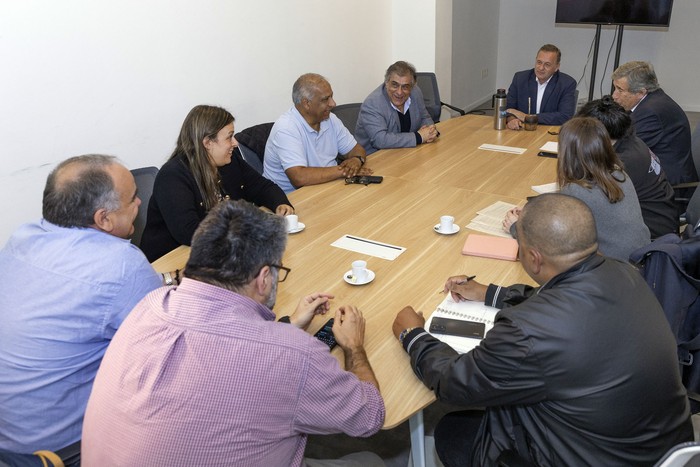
627	12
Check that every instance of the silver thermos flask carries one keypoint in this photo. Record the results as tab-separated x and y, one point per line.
498	102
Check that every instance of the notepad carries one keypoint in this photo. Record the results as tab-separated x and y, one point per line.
466	311
491	247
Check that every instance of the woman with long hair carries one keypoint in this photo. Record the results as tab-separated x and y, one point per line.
203	170
588	169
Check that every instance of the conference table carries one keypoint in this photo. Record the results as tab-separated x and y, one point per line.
451	176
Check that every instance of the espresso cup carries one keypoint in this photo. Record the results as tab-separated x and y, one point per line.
531	122
447	224
292	222
359	270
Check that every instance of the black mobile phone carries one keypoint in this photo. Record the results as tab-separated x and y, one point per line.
325	334
457	327
547	154
364	179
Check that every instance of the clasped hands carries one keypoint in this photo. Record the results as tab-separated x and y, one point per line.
428	133
349	324
460	287
353	166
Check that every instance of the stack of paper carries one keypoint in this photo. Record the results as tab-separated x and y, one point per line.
490	219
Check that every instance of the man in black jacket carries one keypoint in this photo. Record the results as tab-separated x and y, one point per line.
582	370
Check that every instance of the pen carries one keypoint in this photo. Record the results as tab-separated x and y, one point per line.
469	278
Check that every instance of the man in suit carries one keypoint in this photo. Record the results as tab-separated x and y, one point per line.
394	115
543	90
658	120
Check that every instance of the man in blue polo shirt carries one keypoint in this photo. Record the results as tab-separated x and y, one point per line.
306	140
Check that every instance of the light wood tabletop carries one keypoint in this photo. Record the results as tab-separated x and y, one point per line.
449	177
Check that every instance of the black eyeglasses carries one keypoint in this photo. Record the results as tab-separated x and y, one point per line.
282	275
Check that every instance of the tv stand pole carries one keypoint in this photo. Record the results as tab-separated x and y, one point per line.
596	46
594	65
621	29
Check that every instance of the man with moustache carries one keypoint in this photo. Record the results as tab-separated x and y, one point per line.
394	115
306	142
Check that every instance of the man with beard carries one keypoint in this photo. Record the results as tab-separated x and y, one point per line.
202	374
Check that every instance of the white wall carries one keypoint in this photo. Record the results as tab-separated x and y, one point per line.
83	76
525	26
475	34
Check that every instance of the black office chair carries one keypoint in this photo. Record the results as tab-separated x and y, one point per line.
427	82
251	144
144	178
348	113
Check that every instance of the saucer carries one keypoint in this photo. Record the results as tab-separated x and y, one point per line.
300	226
347	277
455	229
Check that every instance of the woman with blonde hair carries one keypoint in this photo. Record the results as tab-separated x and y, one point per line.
203	170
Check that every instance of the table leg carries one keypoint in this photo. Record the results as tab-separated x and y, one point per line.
415	423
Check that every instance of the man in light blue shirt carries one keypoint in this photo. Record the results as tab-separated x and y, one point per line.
306	140
68	281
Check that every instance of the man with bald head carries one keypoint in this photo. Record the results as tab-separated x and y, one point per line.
306	141
68	282
582	369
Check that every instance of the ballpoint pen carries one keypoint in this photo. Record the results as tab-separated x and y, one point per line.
469	278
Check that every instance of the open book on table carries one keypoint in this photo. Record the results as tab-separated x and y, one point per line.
466	311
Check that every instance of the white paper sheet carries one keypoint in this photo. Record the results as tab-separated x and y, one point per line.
368	247
496	147
489	220
546	188
550	146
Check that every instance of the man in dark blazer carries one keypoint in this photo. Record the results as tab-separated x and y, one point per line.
394	114
543	90
657	119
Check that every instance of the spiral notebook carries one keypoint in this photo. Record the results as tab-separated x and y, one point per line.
465	311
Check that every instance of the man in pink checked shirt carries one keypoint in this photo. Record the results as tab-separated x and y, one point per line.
202	374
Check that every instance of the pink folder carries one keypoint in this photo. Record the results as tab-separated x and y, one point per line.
491	247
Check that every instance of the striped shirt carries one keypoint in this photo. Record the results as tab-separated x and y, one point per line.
199	375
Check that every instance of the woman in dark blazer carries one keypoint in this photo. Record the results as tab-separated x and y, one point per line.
204	169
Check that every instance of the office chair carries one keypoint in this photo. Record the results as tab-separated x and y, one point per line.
253	141
348	113
427	82
144	178
681	455
695	147
250	157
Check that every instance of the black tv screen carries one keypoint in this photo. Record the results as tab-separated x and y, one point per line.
628	12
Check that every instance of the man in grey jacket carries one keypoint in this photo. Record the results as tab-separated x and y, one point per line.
394	115
582	370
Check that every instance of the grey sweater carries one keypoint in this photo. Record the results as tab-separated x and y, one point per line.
620	226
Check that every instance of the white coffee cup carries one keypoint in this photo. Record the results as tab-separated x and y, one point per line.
292	222
447	224
359	270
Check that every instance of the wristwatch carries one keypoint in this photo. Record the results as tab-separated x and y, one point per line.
362	159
